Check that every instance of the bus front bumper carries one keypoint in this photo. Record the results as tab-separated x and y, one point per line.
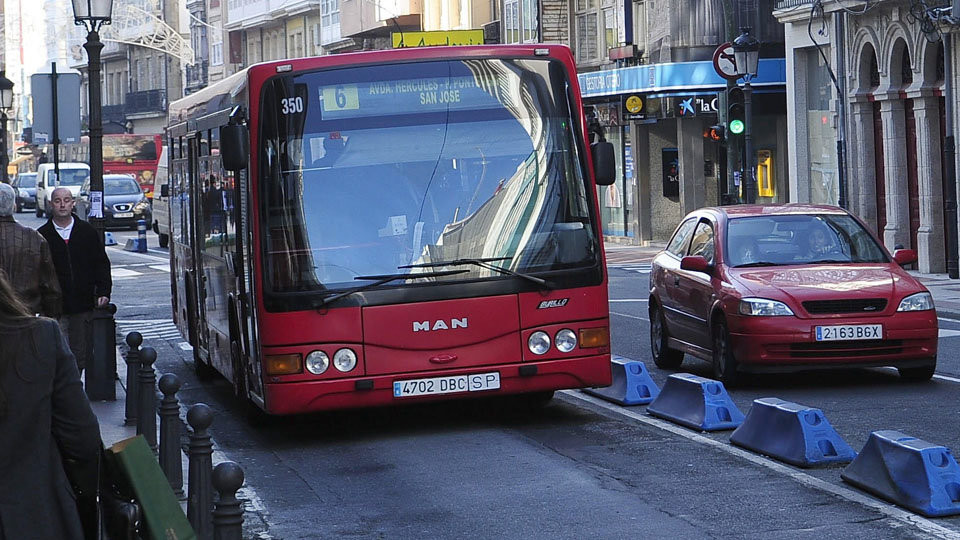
358	392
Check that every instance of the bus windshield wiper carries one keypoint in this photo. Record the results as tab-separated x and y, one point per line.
482	263
381	280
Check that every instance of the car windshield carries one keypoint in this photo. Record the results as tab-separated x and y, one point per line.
123	185
800	239
27	181
368	169
70	177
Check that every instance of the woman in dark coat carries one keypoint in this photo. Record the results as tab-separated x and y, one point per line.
44	417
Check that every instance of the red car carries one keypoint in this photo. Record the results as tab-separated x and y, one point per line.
787	288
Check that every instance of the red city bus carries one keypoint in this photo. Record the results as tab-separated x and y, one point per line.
388	227
136	155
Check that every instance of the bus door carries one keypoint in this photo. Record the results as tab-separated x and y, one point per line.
198	278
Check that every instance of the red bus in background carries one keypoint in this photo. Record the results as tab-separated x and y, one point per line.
136	155
389	227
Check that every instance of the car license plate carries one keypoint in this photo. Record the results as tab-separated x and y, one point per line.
849	331
123	214
447	385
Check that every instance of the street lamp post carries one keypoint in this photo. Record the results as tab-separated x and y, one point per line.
746	51
92	15
6	102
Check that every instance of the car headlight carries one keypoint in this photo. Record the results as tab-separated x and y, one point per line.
141	206
916	302
763	307
345	360
317	362
566	340
538	342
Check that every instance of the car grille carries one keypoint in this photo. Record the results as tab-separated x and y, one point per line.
122	207
866	305
847	349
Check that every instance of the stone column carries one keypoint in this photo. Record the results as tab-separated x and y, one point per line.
897	230
642	214
862	152
930	236
690	148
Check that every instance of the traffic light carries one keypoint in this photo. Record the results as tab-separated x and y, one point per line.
736	116
714	133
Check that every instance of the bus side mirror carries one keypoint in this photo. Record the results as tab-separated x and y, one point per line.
164	191
234	147
604	163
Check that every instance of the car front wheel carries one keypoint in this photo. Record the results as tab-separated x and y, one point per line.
724	363
919	374
663	356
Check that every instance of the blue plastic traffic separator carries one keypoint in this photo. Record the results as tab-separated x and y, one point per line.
791	432
141	236
108	239
632	384
697	403
918	475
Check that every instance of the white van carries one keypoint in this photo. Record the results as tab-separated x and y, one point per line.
72	176
161	201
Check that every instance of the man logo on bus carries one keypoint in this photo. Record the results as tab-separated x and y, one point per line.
425	326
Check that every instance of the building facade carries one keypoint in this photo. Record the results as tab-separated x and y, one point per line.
890	86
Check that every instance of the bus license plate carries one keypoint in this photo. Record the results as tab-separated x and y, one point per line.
123	214
447	385
849	331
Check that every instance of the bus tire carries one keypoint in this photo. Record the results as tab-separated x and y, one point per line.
164	240
534	401
203	370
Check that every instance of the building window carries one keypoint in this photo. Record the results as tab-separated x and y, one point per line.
216	53
329	21
596	29
821	133
520	21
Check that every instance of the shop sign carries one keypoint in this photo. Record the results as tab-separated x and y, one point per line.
690	106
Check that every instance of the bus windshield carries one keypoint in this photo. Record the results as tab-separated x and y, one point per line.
371	168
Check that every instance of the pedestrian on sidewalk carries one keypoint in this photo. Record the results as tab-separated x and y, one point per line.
26	259
45	418
83	270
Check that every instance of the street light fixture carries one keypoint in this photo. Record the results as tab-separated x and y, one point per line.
6	103
746	53
92	15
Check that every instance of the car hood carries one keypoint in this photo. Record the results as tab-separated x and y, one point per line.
119	199
826	282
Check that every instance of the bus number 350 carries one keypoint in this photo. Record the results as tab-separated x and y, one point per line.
292	105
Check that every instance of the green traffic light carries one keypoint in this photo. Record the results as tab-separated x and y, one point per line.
736	127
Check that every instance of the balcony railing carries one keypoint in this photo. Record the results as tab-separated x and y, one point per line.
786	4
146	101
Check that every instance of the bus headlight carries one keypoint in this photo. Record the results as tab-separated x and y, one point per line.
566	340
345	360
538	342
317	362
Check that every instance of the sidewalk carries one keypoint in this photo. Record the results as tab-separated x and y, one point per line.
945	291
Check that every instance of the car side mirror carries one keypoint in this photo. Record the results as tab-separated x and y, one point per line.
904	257
604	163
695	263
164	191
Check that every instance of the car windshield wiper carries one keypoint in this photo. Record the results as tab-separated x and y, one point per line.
757	264
482	263
381	280
827	261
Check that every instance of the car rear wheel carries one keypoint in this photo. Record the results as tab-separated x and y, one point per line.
922	373
724	363
663	356
164	240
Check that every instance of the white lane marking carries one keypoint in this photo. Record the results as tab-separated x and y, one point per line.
629	316
185	346
935	376
612	301
123	272
888	510
161	267
142	255
948	333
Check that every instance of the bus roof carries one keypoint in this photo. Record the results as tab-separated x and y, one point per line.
208	100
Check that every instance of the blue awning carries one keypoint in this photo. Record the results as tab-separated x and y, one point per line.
680	76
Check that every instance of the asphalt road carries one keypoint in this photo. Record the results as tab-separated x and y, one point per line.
580	467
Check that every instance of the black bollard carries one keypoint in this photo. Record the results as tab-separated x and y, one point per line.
228	514
170	453
101	374
147	412
134	340
200	497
